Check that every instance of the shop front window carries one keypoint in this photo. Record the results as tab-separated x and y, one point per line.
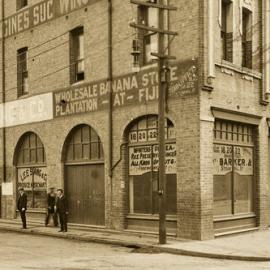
144	164
233	169
31	170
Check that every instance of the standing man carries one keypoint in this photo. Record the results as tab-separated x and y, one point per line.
22	206
62	209
51	202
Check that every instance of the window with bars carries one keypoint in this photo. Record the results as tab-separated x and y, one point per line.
83	144
77	55
22	71
234	132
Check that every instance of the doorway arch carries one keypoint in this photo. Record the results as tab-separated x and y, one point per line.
30	162
143	166
84	176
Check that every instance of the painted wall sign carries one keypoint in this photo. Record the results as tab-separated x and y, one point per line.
130	89
40	13
243	160
28	110
143	159
32	178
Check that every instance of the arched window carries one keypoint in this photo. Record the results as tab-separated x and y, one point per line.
31	169
144	163
83	144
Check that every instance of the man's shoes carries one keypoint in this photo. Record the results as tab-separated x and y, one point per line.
23	228
60	231
65	231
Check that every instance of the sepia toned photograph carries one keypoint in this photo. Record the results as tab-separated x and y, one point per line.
134	134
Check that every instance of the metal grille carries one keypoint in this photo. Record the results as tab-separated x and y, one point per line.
233	132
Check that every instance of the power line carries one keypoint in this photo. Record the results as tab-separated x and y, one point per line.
65	67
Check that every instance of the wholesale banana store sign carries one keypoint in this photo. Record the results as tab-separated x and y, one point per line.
42	12
134	88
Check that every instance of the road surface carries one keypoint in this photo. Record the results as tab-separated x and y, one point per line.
23	252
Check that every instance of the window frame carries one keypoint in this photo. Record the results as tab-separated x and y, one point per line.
226	30
247	36
21	4
142	126
77	55
22	72
236	136
25	146
145	36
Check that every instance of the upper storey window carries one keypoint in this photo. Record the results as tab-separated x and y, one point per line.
22	71
246	38
149	40
21	4
227	30
77	55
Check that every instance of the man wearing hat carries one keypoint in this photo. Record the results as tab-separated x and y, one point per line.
62	209
22	206
51	203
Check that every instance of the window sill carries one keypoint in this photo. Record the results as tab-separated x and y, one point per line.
151	217
231	68
148	65
31	165
22	8
234	217
78	83
23	96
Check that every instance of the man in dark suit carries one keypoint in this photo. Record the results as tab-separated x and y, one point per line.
62	209
51	201
22	206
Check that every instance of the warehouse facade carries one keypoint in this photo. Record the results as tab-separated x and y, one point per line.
77	116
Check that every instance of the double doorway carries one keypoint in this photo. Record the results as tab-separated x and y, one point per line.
84	176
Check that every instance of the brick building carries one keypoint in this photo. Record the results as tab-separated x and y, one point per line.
75	114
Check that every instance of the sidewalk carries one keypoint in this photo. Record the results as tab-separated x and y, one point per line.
253	246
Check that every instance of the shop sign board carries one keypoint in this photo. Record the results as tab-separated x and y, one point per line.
243	159
134	88
32	178
40	13
143	159
29	110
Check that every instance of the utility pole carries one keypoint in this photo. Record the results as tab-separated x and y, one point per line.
163	72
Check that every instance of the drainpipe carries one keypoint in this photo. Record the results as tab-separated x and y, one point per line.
3	98
110	82
266	48
110	109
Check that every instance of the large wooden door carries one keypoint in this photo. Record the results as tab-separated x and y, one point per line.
85	191
84	176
